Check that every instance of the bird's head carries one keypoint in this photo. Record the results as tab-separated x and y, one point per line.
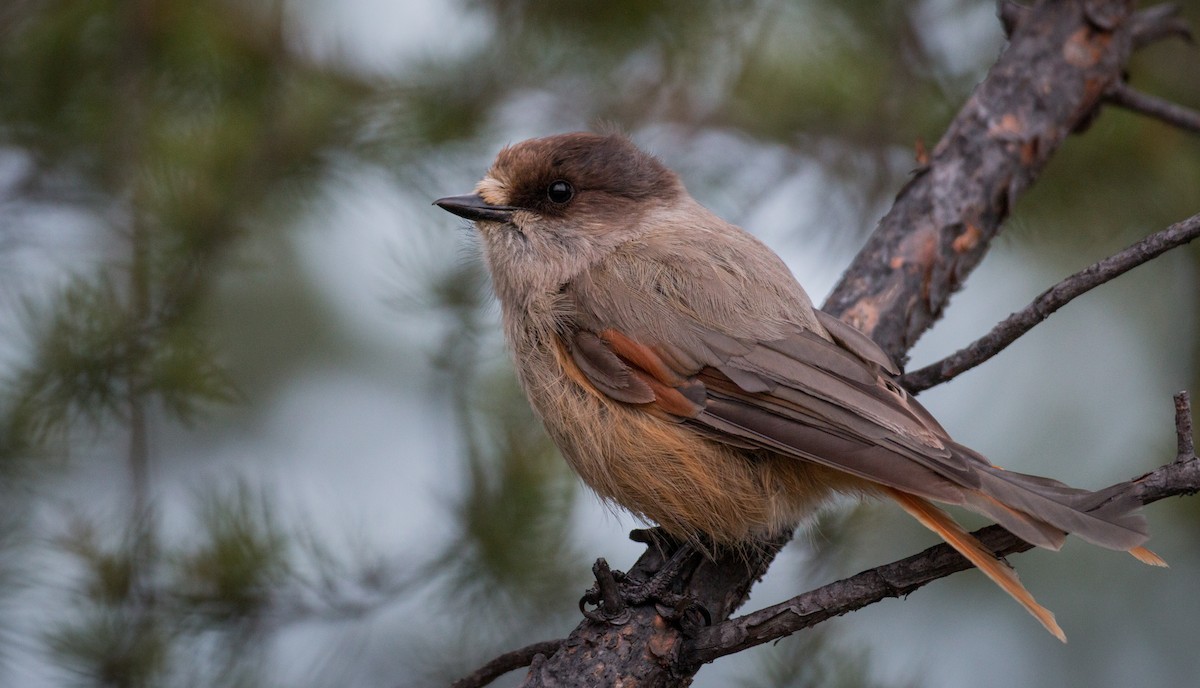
549	207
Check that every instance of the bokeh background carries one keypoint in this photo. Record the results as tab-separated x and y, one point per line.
257	425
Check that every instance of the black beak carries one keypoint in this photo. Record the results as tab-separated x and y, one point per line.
473	207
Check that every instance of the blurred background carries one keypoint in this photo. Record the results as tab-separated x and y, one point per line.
257	424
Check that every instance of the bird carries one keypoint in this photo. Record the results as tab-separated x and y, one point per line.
685	375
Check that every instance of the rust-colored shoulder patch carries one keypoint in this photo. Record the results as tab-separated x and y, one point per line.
673	395
641	356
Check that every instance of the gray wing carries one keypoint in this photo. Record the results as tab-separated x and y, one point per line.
822	393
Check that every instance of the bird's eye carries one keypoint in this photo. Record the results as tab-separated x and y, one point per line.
560	192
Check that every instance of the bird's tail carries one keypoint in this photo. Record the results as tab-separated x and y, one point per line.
1043	511
1040	511
940	522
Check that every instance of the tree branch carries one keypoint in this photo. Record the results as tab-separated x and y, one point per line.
1157	23
1048	83
1184	441
1049	301
1148	26
1122	95
509	661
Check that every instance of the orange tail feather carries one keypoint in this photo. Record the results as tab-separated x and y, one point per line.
1147	557
1001	574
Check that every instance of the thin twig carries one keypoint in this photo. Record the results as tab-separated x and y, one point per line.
1050	301
1159	22
509	661
1122	95
1185	444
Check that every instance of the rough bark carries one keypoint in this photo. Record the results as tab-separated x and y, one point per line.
1060	61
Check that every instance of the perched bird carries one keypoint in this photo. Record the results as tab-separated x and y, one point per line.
686	376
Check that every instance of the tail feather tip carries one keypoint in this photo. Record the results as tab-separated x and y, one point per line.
1147	557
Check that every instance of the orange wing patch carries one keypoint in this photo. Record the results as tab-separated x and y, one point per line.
668	386
643	357
675	395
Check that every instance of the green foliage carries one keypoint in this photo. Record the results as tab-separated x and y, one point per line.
177	128
232	575
88	354
80	363
515	512
111	648
146	610
181	123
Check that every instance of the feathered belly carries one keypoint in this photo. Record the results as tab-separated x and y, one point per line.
667	473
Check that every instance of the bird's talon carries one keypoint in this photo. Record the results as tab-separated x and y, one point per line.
685	612
687	620
600	614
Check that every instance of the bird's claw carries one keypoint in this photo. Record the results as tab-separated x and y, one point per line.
686	613
609	600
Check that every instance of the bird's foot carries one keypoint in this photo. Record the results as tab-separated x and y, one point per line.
615	592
